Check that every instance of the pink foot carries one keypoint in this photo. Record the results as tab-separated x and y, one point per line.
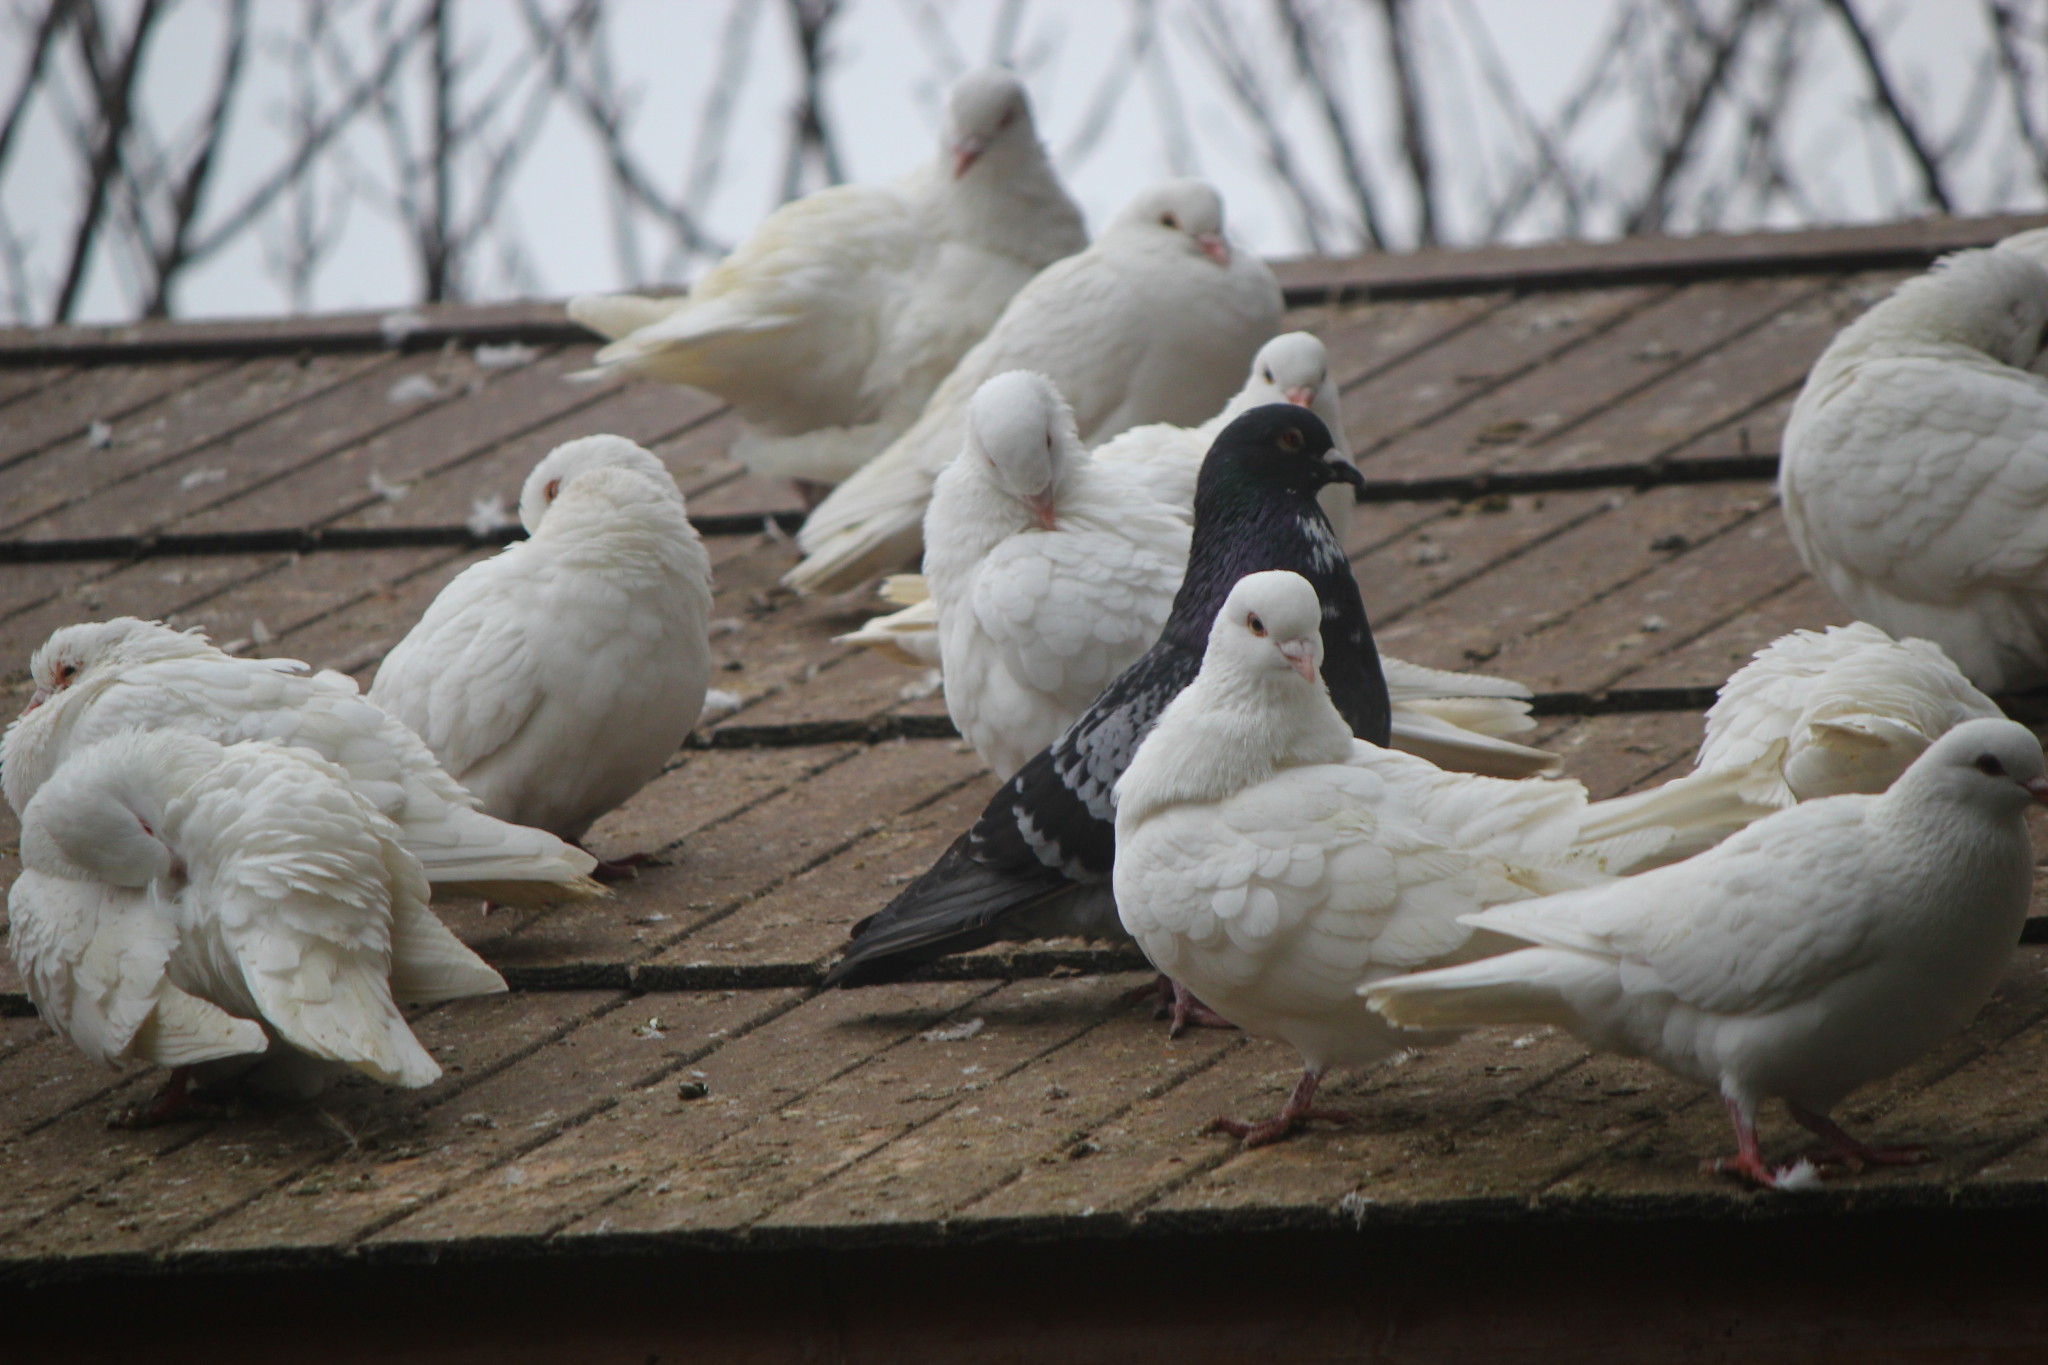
1171	1000
1293	1114
611	870
1852	1153
172	1104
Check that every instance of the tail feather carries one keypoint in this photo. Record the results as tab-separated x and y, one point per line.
1453	747
184	1030
1700	809
1526	987
428	963
468	853
960	905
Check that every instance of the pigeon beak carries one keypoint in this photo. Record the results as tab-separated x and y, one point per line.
1344	470
1300	397
1301	657
1042	508
1214	247
35	699
966	152
2038	789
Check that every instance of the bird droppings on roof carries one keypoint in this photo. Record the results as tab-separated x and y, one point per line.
1600	524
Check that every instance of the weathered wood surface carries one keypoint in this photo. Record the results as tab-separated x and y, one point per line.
1016	1094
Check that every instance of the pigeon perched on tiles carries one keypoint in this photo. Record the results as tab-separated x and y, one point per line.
1815	713
98	680
556	678
1156	322
1818	950
1049	572
1915	469
1270	862
184	903
1037	863
829	328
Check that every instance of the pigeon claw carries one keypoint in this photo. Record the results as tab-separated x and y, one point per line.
172	1104
1852	1153
1297	1112
1187	1012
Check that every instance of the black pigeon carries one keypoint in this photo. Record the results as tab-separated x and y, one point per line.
1037	863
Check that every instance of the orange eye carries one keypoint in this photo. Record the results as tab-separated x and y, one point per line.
1290	439
552	490
1257	626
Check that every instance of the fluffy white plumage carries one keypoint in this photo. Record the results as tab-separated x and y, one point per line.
557	677
829	327
1815	713
1156	322
101	679
1271	863
1915	470
185	902
1050	572
1818	950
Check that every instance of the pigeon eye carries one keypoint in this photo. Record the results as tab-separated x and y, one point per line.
1268	372
553	489
1290	439
1257	626
64	673
1989	766
1168	220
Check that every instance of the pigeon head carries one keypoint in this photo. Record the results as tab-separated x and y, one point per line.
986	106
571	460
105	813
1274	448
1993	300
1985	763
1294	367
1184	215
1024	434
1271	627
76	654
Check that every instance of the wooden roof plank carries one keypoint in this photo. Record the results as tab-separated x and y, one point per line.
1636	353
794	1146
651	1137
27	381
213	1168
1364	339
61	415
186	420
152	589
1803	604
566	1082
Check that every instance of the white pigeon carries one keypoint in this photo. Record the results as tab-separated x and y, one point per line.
1818	950
1271	863
556	678
100	679
1915	468
184	902
1815	713
1050	572
829	328
1156	322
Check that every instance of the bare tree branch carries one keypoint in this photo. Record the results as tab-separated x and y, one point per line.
1414	135
1651	211
168	259
1308	47
115	95
2004	23
1888	103
811	143
32	70
1225	50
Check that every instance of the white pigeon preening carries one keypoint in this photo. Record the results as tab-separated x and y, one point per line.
1049	572
1155	322
1818	950
186	903
101	679
1271	863
556	678
1815	713
1915	469
829	328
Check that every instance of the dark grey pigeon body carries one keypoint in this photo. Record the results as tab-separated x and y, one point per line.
1037	863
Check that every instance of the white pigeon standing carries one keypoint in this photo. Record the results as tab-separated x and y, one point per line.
556	678
1915	468
829	327
1155	322
1815	713
185	903
1050	572
101	679
1271	863
1816	951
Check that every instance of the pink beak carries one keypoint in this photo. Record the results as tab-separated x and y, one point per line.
2038	789
1301	397
965	153
1214	247
35	699
1042	508
1301	657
